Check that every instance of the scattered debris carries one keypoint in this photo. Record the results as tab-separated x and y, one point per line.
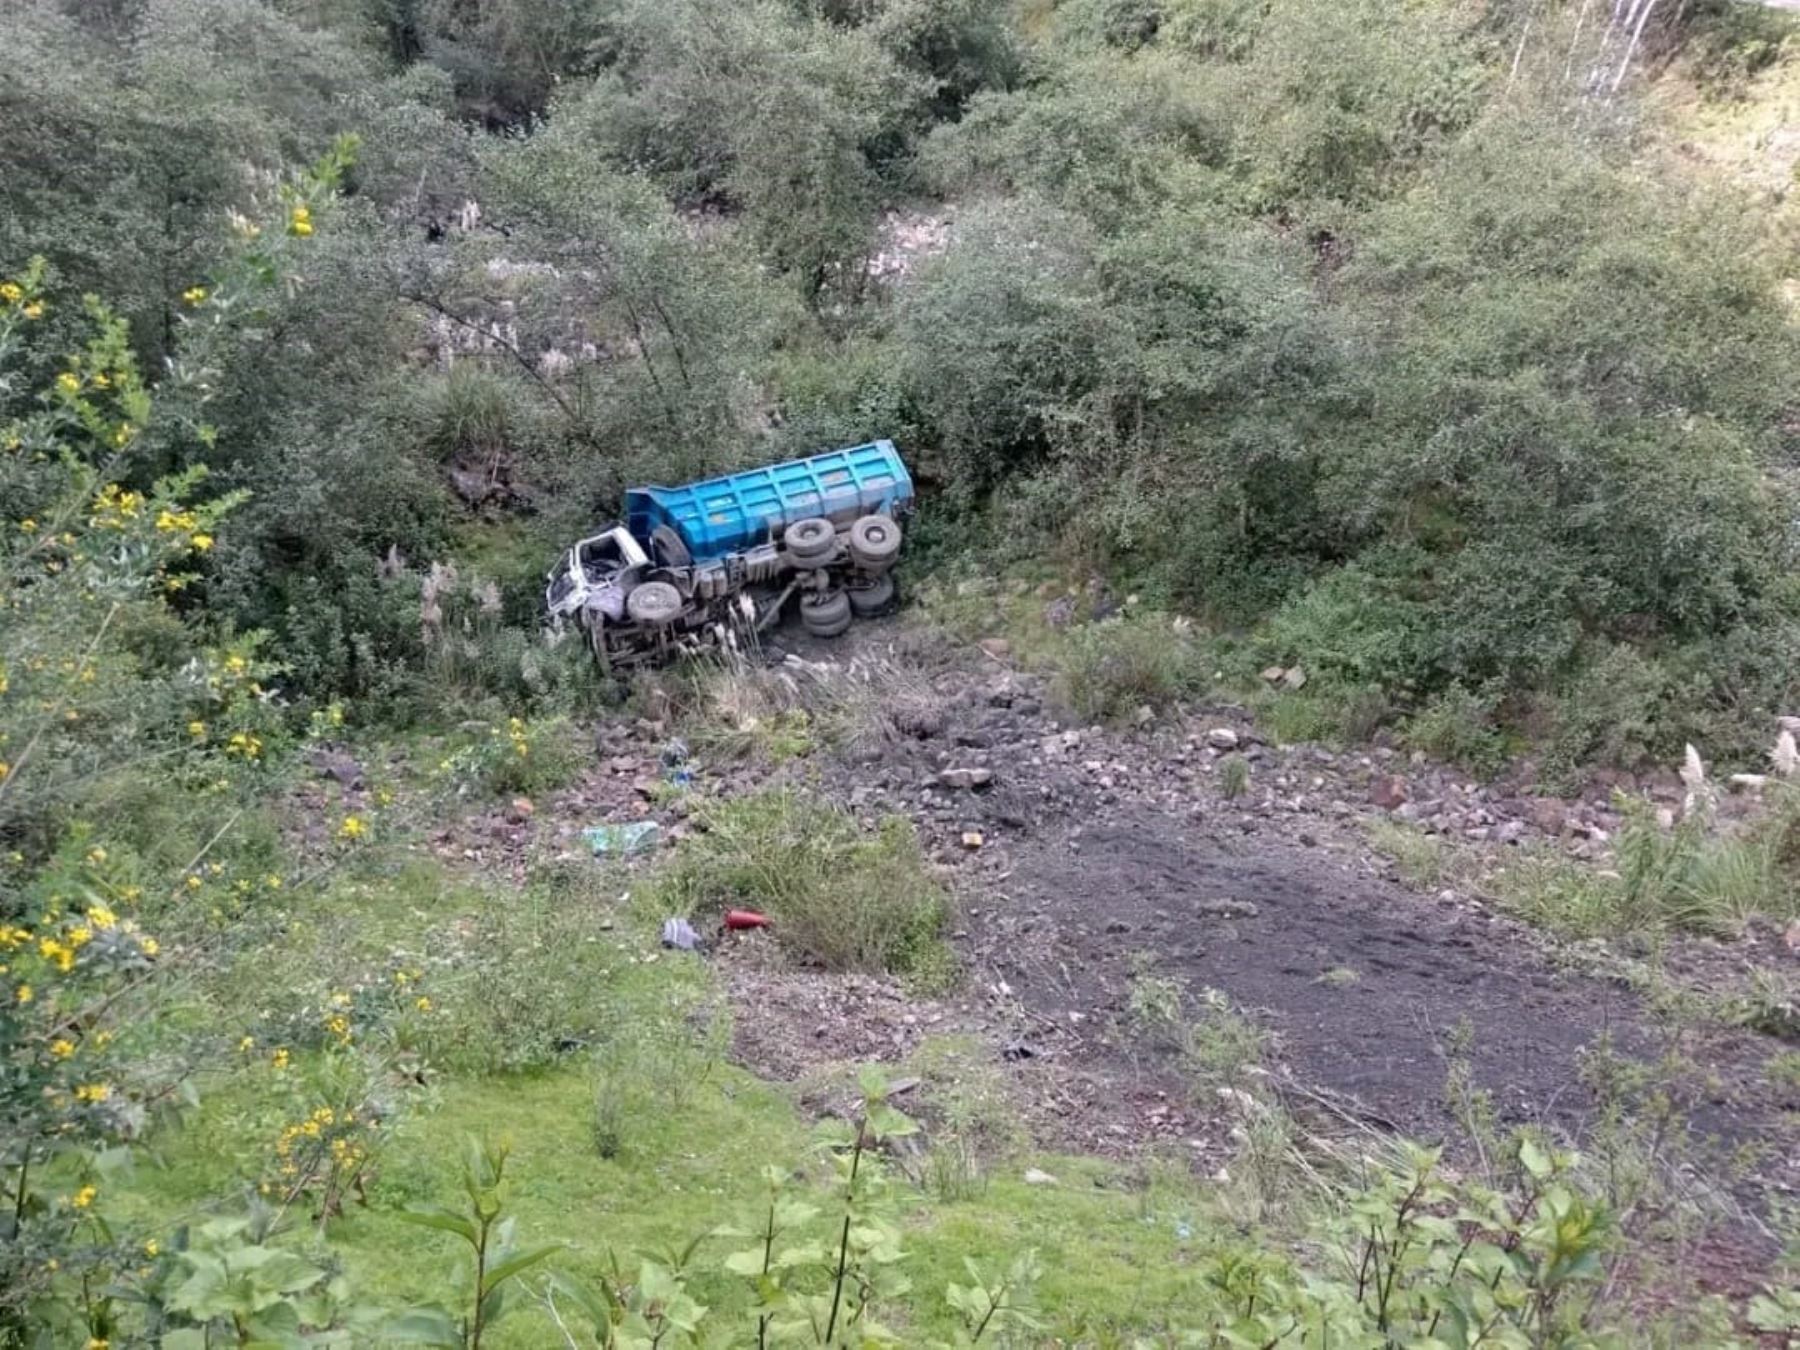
679	934
745	918
1038	1177
972	839
624	840
1222	738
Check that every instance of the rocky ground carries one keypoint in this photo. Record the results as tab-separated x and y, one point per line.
1084	859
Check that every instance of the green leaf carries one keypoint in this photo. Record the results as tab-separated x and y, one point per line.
1533	1158
514	1265
424	1326
436	1216
596	1305
747	1262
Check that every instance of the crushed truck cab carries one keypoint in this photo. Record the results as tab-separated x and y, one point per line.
715	562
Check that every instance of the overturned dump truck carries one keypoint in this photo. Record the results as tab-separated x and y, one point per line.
716	562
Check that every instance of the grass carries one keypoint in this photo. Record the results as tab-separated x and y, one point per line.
1103	668
838	896
1420	858
551	997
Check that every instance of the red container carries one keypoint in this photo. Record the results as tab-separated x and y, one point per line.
745	918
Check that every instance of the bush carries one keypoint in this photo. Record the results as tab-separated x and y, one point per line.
1457	726
1111	669
837	895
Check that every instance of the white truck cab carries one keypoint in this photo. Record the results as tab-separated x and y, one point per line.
595	574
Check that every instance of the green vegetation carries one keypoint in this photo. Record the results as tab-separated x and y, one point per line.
843	899
1386	346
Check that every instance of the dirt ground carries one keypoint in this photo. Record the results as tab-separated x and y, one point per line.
1088	857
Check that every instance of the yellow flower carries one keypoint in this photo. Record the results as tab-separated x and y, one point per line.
96	854
35	310
98	1343
151	1248
196	728
10	292
272	881
25	994
149	946
101	917
5	769
125	432
280	1058
201	542
80	935
423	1005
194	295
100	380
235	664
62	1047
352	828
28	526
94	1093
246	1044
193	882
338	1025
69	382
300	221
84	1197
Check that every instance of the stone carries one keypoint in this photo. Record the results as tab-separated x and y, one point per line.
966	777
1388	793
522	809
1295	678
1036	1177
1274	674
998	648
972	840
1222	738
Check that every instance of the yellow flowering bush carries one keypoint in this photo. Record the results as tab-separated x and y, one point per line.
109	694
518	756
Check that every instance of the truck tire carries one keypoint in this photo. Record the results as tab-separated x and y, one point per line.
669	548
875	598
825	614
654	603
811	541
874	543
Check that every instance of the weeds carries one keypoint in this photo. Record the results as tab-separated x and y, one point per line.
839	897
1214	1042
1234	777
1109	670
1420	858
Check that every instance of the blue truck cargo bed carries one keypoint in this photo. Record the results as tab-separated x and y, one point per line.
726	515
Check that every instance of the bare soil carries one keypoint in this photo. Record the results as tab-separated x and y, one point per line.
1089	857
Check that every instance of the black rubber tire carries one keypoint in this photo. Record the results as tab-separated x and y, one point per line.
810	541
666	544
876	598
825	614
875	543
654	604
